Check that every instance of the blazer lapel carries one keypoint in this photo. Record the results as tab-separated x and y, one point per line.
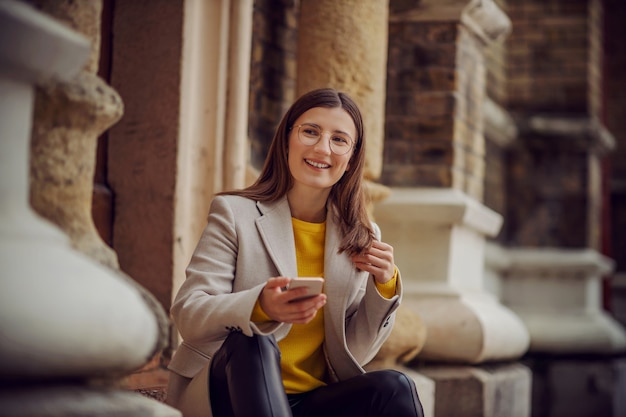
276	232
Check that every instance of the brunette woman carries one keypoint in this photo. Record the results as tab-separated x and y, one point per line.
250	349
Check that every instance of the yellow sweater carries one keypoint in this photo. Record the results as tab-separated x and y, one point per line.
302	357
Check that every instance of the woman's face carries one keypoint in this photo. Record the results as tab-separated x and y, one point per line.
317	166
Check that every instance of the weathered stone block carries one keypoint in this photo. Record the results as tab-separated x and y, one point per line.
548	193
487	391
70	400
578	387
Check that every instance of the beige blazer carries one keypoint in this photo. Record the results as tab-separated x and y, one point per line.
244	243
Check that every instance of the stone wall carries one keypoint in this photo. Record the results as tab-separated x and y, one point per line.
547	193
615	100
499	130
495	184
547	56
552	89
615	170
435	90
272	72
496	60
551	80
142	147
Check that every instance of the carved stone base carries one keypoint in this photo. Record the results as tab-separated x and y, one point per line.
502	390
63	401
63	317
438	237
557	293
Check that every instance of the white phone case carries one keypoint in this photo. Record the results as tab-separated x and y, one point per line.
313	285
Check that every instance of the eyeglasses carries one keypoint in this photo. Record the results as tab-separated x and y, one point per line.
309	135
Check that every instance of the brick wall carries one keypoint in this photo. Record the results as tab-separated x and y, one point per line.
495	196
547	193
551	68
595	67
435	88
272	71
495	61
495	185
547	55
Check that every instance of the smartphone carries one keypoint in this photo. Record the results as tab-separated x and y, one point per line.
312	284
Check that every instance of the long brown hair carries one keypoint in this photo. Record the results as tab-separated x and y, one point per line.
346	199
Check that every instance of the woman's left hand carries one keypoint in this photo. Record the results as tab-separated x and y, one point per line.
377	260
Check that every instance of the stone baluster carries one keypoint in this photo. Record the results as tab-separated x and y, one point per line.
66	321
69	117
343	44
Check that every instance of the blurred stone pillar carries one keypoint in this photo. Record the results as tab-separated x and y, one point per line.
70	326
556	274
212	146
553	279
435	217
343	45
69	117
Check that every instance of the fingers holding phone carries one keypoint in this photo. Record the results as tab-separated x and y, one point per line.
311	286
293	300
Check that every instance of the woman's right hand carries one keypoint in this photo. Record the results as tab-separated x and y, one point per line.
277	303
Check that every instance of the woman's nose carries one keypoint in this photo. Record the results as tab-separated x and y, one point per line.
323	145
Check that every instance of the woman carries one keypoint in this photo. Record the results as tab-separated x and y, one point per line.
248	348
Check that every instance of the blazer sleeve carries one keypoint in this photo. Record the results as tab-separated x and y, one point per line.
205	308
371	324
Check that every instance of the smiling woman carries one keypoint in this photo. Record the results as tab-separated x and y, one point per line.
315	167
259	349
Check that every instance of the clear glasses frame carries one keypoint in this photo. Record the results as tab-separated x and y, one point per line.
310	134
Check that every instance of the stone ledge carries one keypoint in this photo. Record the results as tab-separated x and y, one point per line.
437	206
70	400
60	51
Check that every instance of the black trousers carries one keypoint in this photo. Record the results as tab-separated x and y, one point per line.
245	380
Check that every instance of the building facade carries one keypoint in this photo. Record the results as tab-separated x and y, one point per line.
495	165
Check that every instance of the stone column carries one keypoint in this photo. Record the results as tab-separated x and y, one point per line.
63	345
343	44
554	277
557	293
435	218
213	144
614	64
69	117
551	269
